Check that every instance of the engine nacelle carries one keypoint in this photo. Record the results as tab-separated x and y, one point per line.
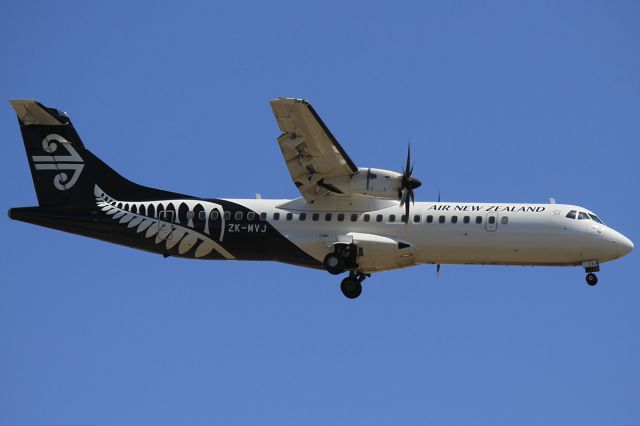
368	182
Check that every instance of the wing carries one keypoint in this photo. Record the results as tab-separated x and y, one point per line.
309	149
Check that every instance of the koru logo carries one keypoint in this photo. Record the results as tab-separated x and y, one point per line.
72	162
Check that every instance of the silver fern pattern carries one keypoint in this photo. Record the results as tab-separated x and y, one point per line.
145	217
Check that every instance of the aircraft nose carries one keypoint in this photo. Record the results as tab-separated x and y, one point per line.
627	245
622	243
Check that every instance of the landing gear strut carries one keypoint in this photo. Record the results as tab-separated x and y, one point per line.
590	267
352	285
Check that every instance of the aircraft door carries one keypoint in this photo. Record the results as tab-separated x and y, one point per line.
492	222
165	224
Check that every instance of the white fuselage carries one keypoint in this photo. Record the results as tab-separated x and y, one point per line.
444	232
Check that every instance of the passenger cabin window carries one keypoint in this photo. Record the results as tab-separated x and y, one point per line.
289	216
263	216
583	216
504	220
478	219
441	219
466	219
379	218
340	217
354	217
392	218
429	218
366	217
227	215
302	217
238	215
251	216
416	218
492	220
327	216
315	216
276	216
214	215
454	219
202	215
571	214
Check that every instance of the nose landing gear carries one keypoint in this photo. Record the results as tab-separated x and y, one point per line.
590	267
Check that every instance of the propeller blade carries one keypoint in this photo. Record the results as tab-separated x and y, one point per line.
408	184
438	270
406	213
406	170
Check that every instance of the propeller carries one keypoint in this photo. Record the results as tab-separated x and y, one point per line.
408	184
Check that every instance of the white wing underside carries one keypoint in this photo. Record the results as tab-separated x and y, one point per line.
309	149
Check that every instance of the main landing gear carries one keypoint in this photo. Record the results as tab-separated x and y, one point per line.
334	263
352	285
590	267
341	260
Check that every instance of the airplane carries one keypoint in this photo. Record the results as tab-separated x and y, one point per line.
349	219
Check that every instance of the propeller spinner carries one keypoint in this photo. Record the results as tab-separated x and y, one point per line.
409	183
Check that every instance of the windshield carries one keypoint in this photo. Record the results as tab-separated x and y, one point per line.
574	214
596	218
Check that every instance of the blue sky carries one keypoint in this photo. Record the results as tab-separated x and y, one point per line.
502	101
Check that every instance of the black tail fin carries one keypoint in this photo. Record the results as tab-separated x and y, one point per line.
63	170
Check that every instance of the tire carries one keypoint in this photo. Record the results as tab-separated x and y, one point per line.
334	263
351	287
592	279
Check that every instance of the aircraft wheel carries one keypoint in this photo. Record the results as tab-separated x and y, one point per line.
351	287
334	263
592	279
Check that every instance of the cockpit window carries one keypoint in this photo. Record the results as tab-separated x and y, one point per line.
596	218
571	214
583	216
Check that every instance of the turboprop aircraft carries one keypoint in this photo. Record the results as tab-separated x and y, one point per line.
350	219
